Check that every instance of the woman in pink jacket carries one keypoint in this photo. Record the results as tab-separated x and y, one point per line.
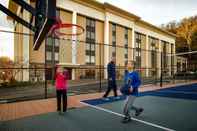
61	88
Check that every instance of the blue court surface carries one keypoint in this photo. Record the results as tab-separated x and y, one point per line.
172	109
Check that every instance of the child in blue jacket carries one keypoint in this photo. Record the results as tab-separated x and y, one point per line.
130	89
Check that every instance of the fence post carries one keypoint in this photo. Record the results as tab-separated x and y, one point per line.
100	88
45	81
174	77
161	77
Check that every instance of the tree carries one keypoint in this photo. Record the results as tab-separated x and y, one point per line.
171	26
8	69
186	30
5	72
194	41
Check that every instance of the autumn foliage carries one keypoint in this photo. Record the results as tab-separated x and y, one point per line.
186	31
7	71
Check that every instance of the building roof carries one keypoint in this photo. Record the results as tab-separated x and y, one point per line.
105	7
157	28
118	11
121	11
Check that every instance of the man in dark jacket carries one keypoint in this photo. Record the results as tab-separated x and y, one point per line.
111	71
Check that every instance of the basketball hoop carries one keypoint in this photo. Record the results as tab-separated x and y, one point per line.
55	30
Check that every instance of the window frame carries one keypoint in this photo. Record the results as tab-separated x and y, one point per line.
90	41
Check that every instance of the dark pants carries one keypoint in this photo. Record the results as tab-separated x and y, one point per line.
61	94
111	85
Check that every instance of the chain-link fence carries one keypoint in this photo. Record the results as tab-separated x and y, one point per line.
30	74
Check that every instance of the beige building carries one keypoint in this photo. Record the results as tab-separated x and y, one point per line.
109	31
181	64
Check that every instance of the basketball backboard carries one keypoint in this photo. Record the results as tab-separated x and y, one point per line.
44	20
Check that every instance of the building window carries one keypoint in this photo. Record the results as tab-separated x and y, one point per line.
49	56
87	46
56	56
92	35
87	60
183	67
114	40
152	43
88	34
137	55
113	50
165	60
153	52
57	43
114	28
178	67
93	59
49	41
90	41
52	47
126	44
93	48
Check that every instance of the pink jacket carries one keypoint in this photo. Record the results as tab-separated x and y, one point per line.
61	81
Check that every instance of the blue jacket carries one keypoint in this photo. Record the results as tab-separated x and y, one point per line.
111	70
131	80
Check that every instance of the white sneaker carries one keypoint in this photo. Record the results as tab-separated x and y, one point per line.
117	97
105	99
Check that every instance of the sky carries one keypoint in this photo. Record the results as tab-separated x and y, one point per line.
6	43
6	39
156	12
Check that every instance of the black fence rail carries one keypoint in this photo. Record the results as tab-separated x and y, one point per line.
37	87
30	75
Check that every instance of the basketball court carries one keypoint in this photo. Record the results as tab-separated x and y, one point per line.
171	108
164	110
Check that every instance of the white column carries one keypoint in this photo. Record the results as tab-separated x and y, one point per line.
175	59
74	38
74	43
25	45
169	59
147	56
106	42
133	43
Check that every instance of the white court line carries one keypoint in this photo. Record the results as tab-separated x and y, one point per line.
121	115
181	92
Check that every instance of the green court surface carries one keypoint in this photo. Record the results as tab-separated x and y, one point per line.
176	114
160	113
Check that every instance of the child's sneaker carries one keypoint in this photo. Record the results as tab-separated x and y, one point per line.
105	99
126	119
138	112
61	113
117	98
